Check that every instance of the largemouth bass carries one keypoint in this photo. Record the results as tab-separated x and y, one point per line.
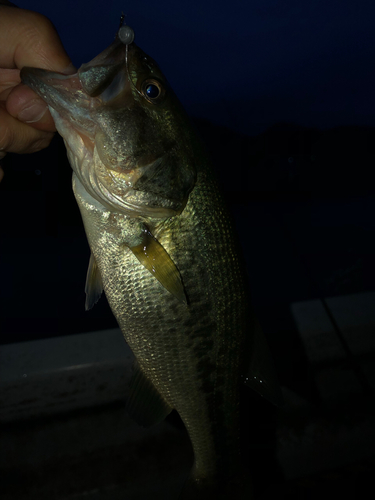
164	251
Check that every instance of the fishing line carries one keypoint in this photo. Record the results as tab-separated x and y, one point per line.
126	36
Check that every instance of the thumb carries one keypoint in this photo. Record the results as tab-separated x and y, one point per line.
24	104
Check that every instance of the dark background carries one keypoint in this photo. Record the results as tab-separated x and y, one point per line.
244	65
283	95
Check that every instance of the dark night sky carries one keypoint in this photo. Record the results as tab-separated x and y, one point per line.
245	65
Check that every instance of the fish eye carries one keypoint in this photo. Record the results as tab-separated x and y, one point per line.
153	91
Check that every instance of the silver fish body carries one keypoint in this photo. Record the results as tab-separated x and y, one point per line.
164	251
187	351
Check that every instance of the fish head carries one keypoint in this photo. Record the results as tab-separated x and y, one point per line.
128	139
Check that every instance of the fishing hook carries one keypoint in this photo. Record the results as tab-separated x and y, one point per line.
126	36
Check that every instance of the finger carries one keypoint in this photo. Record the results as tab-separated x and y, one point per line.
29	39
9	78
26	38
22	103
19	137
26	106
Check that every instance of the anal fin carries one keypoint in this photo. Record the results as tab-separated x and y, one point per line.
145	404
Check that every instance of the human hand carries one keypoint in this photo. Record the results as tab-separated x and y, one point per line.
26	39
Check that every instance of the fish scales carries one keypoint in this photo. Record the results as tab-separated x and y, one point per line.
184	350
164	251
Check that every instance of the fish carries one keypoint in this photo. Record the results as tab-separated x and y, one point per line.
165	252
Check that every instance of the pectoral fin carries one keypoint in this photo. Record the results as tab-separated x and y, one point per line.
154	257
94	285
145	404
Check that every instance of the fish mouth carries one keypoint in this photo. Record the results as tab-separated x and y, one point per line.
53	87
64	94
73	111
103	117
76	97
94	84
